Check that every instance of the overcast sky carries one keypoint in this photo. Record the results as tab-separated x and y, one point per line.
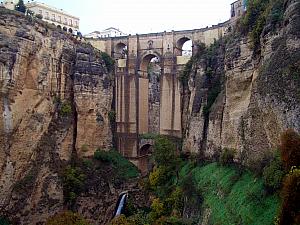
140	16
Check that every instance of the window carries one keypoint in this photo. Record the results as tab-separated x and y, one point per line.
59	18
66	20
41	12
47	15
70	22
76	23
53	17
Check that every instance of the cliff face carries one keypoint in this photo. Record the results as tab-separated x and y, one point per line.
259	96
55	98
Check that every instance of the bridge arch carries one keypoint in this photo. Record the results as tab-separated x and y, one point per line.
146	59
120	51
184	46
145	150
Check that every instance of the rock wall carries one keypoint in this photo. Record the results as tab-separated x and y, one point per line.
259	98
55	96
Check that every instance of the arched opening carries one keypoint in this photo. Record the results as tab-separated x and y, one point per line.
70	31
150	64
59	27
65	29
144	162
184	47
150	70
121	51
145	150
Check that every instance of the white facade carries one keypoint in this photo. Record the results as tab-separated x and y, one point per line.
50	14
9	4
109	32
58	17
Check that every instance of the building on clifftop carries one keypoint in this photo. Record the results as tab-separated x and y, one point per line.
109	32
50	14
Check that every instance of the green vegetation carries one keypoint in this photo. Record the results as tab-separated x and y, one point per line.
109	62
226	157
67	218
112	116
259	14
66	109
25	182
148	136
122	167
273	174
4	221
235	199
290	149
290	208
21	7
73	183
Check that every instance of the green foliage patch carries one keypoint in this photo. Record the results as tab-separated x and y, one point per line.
67	218
235	199
122	167
108	61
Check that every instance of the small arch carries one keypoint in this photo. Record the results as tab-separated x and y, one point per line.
146	61
59	27
184	46
65	29
70	31
121	51
145	150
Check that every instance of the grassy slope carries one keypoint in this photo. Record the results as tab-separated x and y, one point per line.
234	199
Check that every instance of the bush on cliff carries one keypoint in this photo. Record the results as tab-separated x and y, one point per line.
273	174
20	6
122	167
109	62
290	208
67	218
73	183
290	149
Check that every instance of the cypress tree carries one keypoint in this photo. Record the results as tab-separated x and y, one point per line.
20	6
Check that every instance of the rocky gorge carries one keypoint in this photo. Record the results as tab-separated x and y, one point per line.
57	104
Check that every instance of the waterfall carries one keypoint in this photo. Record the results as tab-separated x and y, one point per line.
121	204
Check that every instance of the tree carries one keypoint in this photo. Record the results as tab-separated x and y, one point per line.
21	6
290	149
164	151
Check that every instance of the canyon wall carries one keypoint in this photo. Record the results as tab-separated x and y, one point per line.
258	97
55	96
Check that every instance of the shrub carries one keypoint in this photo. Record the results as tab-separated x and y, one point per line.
273	174
108	61
227	156
67	218
73	183
155	177
164	151
112	116
21	7
123	168
290	149
120	220
66	109
4	221
290	208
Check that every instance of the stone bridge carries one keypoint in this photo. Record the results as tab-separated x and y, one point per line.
150	102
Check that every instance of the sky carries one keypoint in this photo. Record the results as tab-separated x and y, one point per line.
140	16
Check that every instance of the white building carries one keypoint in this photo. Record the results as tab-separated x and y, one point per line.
109	32
9	4
58	17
